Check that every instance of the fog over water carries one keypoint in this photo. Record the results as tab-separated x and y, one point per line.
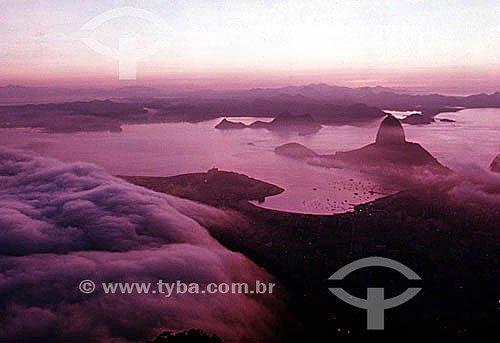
175	148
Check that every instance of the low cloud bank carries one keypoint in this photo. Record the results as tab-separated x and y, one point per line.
472	189
476	187
63	223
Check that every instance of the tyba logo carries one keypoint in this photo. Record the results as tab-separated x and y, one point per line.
128	52
375	304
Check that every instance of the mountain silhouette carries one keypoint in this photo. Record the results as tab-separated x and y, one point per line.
390	150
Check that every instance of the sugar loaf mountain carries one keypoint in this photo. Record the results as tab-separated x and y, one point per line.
390	150
495	165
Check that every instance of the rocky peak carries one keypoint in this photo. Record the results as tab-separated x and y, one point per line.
390	132
495	165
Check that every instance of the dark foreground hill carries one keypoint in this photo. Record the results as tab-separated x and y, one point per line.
444	232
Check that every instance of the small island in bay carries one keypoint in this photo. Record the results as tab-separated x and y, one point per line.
295	150
303	124
418	119
230	125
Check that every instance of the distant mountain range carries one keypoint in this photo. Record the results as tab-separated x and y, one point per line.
382	97
327	105
22	94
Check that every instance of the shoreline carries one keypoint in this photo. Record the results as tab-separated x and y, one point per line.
239	191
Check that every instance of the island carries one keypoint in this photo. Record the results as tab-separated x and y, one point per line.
303	124
418	119
295	150
230	125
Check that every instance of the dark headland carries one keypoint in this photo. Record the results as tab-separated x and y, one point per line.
215	187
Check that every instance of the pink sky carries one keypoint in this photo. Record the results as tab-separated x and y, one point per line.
439	45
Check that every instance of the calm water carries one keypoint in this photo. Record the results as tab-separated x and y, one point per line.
174	148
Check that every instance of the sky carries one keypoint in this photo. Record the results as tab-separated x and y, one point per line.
451	45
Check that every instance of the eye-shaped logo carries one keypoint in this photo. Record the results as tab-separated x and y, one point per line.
375	304
128	52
